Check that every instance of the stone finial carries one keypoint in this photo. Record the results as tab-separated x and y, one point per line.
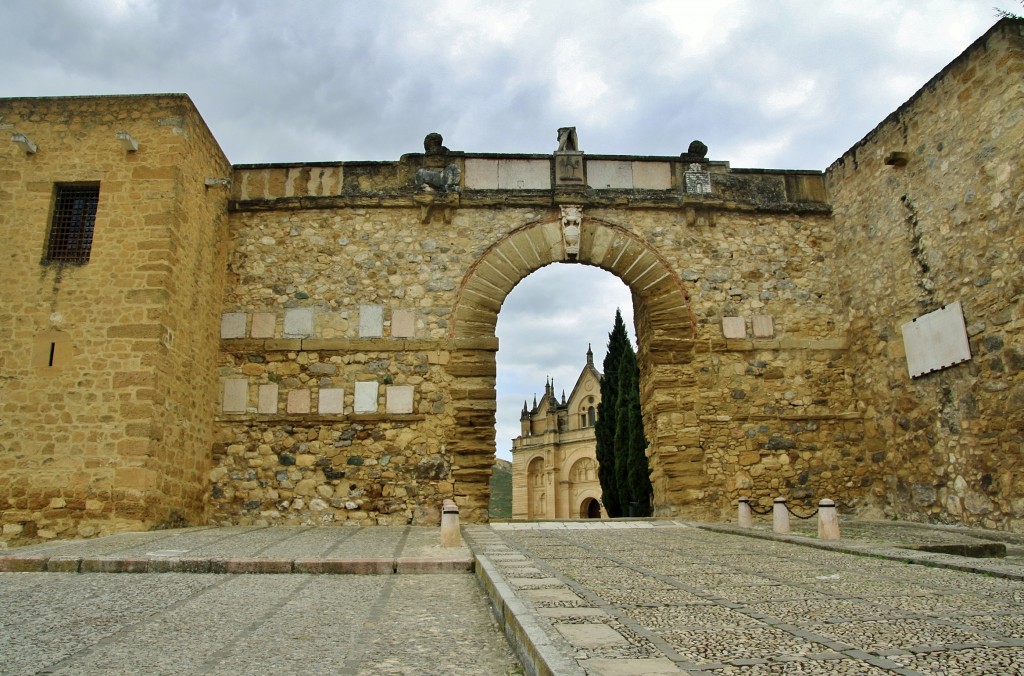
697	150
433	144
567	140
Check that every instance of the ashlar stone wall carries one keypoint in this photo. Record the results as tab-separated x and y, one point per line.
928	211
114	432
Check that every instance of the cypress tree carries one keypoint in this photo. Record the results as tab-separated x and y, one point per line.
638	473
627	364
604	426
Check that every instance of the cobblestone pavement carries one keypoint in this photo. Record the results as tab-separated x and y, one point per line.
666	598
179	623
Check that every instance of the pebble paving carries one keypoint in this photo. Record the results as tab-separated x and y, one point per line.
684	600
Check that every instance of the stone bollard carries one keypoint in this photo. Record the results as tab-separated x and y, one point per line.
450	535
745	518
780	516
828	520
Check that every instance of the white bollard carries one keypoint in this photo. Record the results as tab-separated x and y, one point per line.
450	535
780	516
745	518
828	520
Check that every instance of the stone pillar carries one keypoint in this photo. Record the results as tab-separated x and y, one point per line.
450	535
828	520
780	516
746	520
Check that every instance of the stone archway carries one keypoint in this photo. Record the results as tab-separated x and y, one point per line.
665	326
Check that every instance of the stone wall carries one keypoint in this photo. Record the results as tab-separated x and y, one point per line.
928	210
332	286
114	432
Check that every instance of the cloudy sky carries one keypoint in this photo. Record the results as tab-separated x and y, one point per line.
764	83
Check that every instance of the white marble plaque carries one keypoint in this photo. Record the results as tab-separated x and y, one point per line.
652	175
371	321
524	174
936	340
610	174
366	397
481	174
399	398
298	322
332	401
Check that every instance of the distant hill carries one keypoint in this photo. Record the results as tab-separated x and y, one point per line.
501	490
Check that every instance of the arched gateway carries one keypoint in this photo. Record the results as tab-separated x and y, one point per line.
663	316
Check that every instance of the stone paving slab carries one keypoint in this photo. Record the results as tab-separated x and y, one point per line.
627	598
245	550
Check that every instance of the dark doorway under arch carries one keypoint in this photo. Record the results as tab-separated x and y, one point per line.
590	509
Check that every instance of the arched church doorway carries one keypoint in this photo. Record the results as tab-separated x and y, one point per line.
590	509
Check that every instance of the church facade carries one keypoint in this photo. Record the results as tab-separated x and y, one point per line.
554	464
188	341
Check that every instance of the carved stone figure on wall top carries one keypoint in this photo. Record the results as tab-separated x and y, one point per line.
567	140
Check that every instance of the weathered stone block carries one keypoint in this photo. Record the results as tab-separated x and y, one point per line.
524	175
263	325
298	401
268	395
332	401
734	327
763	325
403	323
236	395
232	325
399	398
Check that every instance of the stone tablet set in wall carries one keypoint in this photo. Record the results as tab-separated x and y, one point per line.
188	341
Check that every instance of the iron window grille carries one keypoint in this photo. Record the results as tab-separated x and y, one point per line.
74	218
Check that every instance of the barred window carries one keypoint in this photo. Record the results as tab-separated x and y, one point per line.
74	216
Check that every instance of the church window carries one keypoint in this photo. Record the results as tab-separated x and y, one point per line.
71	229
591	416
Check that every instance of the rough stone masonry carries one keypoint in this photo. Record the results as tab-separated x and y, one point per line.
314	343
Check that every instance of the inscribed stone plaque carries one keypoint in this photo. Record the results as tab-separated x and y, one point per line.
652	175
569	168
734	327
524	175
332	401
298	401
403	323
236	395
232	325
610	174
371	321
263	325
298	322
481	174
366	397
268	399
698	181
398	398
764	326
936	340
